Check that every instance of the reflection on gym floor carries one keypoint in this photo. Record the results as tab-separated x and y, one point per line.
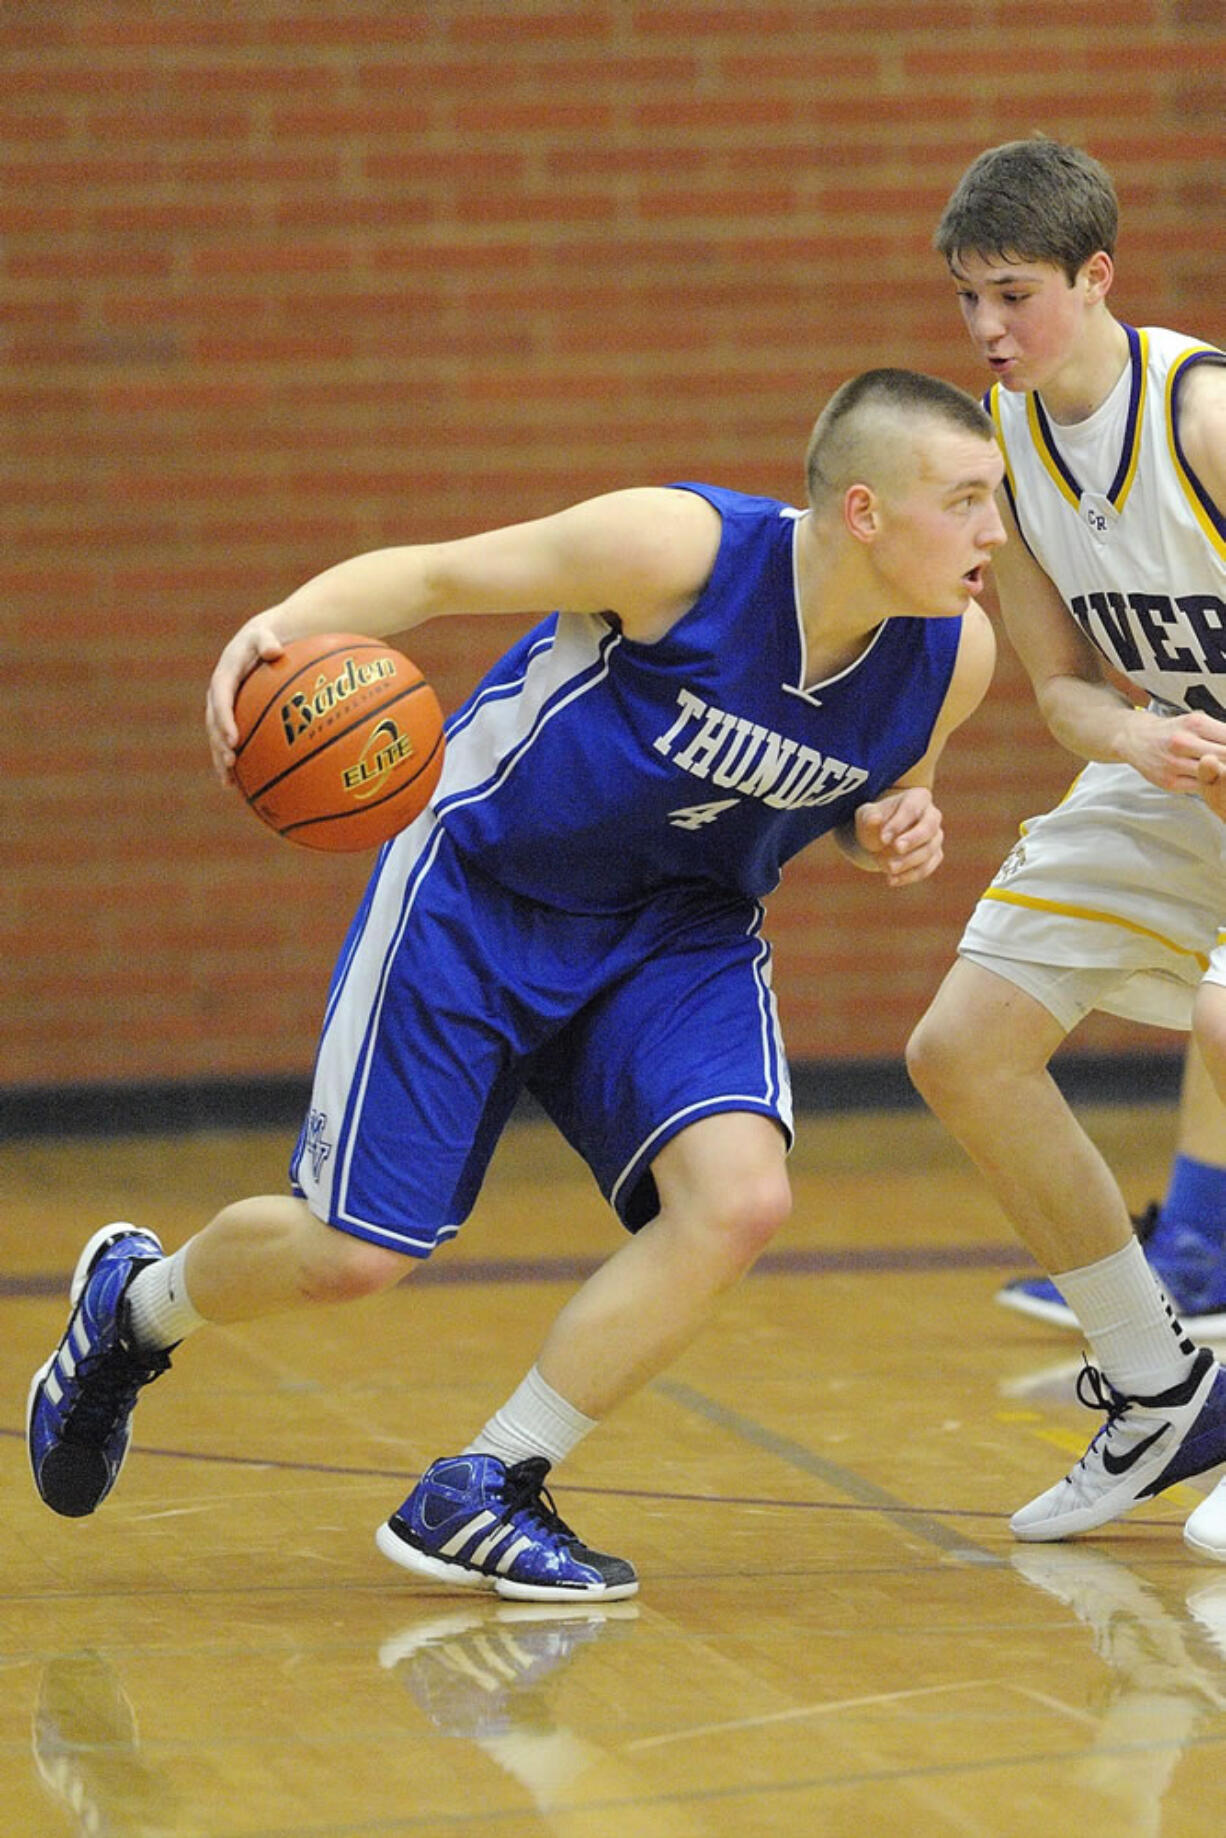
836	1633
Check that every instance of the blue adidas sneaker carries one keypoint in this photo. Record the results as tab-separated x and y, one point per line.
79	1417
473	1521
1190	1265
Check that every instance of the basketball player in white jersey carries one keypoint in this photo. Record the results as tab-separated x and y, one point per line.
1115	450
579	915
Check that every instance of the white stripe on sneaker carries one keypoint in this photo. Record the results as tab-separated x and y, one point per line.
455	1544
499	1534
508	1557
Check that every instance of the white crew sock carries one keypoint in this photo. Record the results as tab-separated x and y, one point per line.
533	1421
160	1312
1130	1325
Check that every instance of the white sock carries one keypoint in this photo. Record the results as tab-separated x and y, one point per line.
533	1421
160	1312
1130	1325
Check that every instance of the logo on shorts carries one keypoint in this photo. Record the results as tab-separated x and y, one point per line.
317	1146
1013	863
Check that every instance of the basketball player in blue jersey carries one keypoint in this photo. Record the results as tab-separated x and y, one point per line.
1115	449
579	914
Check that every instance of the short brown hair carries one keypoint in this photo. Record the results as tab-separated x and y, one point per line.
1038	200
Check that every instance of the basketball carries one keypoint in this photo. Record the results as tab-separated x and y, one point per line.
340	742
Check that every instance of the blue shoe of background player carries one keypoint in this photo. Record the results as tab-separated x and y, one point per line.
473	1521
1189	1263
79	1418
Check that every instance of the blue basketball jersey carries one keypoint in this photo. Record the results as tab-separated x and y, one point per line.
577	914
589	771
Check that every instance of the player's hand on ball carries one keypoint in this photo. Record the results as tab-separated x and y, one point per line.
902	831
253	643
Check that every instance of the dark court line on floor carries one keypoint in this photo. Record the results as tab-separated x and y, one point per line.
842	1480
860	1496
613	1809
869	1260
657	1495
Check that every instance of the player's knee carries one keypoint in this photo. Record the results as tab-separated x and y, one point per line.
937	1059
922	1054
748	1212
333	1267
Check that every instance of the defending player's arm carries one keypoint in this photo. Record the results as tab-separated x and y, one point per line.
1202	431
642	554
900	834
1083	711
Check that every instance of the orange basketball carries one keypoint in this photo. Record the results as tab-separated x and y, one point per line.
340	742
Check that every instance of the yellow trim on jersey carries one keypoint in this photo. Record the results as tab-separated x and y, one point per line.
1139	369
994	411
1091	913
1044	452
1208	528
1138	419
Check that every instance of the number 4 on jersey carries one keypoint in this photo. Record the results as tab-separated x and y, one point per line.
695	816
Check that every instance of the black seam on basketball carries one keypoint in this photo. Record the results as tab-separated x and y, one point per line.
312	823
370	714
371	644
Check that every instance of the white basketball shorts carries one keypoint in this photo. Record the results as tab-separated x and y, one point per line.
1114	900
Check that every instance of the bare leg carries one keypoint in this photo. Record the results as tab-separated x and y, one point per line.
265	1255
1202	1113
979	1057
724	1193
479	1516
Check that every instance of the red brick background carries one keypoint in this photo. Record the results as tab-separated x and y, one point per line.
284	281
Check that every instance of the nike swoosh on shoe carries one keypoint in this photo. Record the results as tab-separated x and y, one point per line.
1120	1464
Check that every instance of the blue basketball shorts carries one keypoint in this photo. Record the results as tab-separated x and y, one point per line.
452	995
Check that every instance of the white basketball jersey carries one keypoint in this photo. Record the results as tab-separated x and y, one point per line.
1114	514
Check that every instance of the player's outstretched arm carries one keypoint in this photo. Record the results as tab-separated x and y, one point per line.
642	555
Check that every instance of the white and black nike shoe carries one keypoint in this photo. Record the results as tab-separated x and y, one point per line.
1145	1446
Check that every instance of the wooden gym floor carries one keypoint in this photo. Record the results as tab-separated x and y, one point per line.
836	1634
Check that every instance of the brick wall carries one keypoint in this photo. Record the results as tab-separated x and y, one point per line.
286	281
